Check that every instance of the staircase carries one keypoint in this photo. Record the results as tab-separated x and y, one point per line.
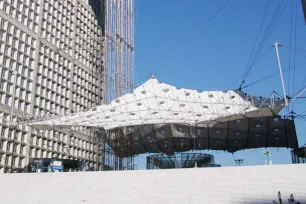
252	184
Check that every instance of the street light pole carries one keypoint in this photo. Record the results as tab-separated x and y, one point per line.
238	162
134	166
267	153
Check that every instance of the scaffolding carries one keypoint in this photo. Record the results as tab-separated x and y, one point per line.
119	65
119	48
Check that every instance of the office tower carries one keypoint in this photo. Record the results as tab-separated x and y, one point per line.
59	57
51	59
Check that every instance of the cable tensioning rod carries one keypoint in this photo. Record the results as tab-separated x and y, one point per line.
273	74
268	32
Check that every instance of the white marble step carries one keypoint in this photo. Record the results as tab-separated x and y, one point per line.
253	184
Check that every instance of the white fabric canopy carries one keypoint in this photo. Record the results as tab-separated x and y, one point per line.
158	103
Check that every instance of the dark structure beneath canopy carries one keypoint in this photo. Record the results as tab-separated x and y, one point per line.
298	155
229	136
180	160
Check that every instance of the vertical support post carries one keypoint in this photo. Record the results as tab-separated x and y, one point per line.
276	44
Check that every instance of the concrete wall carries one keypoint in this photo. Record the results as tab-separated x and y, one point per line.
254	184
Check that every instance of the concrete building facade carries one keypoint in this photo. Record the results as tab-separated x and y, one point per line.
51	63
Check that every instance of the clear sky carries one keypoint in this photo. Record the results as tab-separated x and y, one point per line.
206	45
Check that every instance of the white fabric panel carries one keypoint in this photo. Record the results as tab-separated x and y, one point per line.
155	102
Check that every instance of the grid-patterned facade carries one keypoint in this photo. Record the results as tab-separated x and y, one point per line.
51	63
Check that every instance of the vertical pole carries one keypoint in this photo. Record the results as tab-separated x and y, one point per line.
276	44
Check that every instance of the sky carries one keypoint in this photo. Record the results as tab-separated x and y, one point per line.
207	45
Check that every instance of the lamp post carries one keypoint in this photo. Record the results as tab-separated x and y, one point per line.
268	153
238	162
134	166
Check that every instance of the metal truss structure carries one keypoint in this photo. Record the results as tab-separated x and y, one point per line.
119	64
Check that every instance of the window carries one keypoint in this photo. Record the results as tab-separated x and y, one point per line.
8	88
20	163
8	147
14	148
1	144
3	74
2	84
9	135
2	23
6	100
2	133
6	160
1	34
10	76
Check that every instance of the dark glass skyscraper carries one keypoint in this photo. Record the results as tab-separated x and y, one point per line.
98	6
